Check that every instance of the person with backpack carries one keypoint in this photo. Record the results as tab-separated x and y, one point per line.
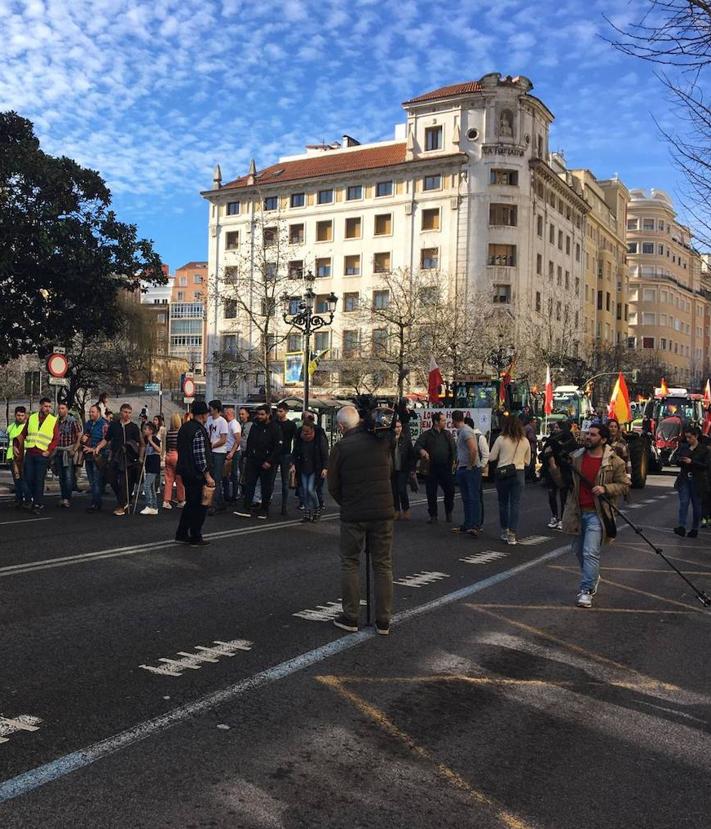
512	453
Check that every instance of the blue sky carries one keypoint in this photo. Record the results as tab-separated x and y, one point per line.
153	94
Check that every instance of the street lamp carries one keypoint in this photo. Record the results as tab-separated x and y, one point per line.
501	357
307	321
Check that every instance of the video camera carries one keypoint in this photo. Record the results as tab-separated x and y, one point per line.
378	418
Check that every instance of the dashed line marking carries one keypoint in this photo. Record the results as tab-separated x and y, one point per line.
323	612
534	539
484	557
194	661
421	579
11	725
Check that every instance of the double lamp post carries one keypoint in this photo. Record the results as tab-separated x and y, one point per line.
307	321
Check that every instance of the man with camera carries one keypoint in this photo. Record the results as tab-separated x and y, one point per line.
359	471
598	480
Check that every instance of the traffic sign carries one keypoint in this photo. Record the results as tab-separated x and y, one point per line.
189	387
188	400
151	388
57	364
58	381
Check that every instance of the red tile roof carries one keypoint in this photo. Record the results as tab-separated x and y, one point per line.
328	163
193	265
447	91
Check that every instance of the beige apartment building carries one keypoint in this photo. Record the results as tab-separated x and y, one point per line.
466	193
187	314
669	305
606	295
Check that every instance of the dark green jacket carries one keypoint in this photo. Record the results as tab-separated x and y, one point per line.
359	472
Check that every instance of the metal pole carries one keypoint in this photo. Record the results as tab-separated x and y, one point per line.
307	355
367	580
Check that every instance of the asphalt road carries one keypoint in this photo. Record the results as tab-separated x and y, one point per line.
146	684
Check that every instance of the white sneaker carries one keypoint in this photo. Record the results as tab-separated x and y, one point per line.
504	537
149	511
553	523
167	505
180	504
511	537
559	525
584	599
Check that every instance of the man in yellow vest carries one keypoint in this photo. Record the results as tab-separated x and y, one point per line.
15	453
40	443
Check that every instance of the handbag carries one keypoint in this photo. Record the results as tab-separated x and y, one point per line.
508	470
208	493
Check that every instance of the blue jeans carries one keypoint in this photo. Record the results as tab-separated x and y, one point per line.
587	548
689	495
218	465
284	464
307	482
35	471
66	478
149	488
96	482
21	492
509	492
469	483
230	485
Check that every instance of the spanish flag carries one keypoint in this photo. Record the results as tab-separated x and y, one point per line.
619	406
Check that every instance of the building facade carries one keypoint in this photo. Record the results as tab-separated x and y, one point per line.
467	192
669	305
187	314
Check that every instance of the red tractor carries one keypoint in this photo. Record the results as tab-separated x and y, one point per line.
666	416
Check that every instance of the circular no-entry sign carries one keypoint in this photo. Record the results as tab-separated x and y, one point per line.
57	365
189	387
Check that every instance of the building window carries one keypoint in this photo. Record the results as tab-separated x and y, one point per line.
567	245
648	224
649	295
632	247
355	191
321	304
428	295
296	234
430	218
647	342
298	199
353	228
538	300
433	138
230	309
183	282
270	236
383	224
551	269
558	311
380	340
599	300
295	269
322	341
323	267
383	188
632	224
502	255
559	272
324	231
381	300
607	300
270	271
577	286
432	183
325	196
539	264
577	253
351	266
502	294
181	296
381	263
647	247
350	341
539	226
567	280
560	240
351	302
293	342
232	239
551	234
233	208
197	279
648	318
508	177
661	250
503	214
271	202
429	258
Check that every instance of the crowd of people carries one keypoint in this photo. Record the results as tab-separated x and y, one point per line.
219	455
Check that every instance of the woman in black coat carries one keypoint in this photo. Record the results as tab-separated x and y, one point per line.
404	460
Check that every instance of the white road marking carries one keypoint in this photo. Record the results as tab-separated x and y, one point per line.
324	612
483	558
55	769
193	661
11	725
534	539
24	521
421	579
633	506
649	501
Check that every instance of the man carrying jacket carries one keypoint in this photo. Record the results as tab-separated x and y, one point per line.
597	472
195	468
261	459
359	472
40	443
437	449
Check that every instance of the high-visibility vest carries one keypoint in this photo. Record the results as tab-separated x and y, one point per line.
40	436
13	430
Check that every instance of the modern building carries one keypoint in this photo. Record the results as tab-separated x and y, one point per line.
466	192
668	304
187	314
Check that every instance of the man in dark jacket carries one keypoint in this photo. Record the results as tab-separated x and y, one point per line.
359	471
437	449
195	468
261	460
288	433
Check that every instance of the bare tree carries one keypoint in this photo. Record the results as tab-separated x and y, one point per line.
676	35
250	293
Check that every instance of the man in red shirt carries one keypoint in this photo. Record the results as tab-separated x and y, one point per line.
597	471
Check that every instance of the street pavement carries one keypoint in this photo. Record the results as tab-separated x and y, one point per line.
147	684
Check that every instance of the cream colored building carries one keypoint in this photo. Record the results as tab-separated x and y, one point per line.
668	309
466	191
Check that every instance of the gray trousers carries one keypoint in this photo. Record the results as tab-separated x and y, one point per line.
379	537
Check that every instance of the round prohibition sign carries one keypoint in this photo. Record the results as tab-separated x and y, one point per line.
189	387
57	365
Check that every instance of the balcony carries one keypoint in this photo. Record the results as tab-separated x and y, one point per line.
498	273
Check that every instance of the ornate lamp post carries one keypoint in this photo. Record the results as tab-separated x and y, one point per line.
307	321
